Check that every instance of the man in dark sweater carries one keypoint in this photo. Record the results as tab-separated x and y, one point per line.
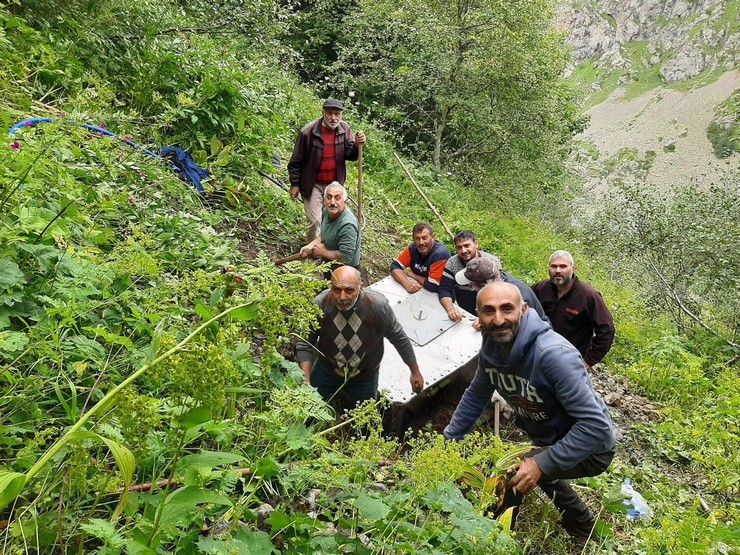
542	377
576	310
348	344
319	158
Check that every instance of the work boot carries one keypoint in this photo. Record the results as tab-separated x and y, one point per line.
579	530
577	519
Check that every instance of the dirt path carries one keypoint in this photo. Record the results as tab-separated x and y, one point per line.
661	118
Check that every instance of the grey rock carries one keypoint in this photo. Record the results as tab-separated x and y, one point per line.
264	510
600	32
687	64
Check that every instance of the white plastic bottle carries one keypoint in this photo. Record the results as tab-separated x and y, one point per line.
637	507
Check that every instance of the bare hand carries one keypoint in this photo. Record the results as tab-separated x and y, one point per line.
320	250
527	477
412	286
417	382
307	251
294	191
476	324
360	138
454	315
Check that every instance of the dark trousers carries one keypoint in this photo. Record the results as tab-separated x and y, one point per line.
555	486
347	393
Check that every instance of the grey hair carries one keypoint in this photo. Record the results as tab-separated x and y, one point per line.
336	184
563	254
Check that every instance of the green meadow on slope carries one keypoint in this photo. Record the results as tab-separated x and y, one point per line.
146	336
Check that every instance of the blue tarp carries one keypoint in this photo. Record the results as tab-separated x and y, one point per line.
175	157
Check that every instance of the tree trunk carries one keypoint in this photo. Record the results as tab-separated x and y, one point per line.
439	129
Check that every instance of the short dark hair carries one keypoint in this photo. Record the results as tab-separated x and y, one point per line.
464	236
420	227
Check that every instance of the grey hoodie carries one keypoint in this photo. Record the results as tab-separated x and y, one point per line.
545	381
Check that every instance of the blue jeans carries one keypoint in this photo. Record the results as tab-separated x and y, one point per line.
349	392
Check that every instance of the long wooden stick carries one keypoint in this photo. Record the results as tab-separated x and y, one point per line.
279	182
436	213
359	185
291	258
496	417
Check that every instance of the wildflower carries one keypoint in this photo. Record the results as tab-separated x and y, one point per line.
27	124
142	175
131	201
127	139
15	145
62	114
122	154
351	94
102	126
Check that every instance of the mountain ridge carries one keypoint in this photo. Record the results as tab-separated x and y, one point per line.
654	74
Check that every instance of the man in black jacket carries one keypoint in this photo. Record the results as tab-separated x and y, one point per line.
576	310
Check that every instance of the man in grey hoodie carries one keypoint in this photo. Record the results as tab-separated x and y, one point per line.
543	378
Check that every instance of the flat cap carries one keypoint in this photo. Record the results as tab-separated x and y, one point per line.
333	104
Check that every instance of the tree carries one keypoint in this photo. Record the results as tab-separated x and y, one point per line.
681	248
463	82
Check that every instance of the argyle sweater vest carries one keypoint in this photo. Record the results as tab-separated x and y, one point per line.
351	342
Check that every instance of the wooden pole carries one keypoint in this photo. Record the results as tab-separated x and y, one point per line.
436	213
496	417
359	185
291	258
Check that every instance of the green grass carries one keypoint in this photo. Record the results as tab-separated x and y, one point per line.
138	248
610	19
586	74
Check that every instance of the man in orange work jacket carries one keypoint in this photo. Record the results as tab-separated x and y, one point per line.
421	264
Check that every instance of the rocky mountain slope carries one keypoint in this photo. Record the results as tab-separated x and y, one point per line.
684	37
655	73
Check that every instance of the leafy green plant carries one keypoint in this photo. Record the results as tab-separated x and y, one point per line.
13	482
725	140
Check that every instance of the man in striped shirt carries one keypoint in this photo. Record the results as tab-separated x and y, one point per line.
421	264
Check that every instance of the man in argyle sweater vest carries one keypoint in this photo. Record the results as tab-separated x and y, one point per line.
344	353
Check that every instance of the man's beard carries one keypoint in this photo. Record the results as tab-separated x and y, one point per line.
344	306
502	339
562	280
506	339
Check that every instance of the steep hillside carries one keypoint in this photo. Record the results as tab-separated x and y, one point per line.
674	40
654	74
149	403
664	127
